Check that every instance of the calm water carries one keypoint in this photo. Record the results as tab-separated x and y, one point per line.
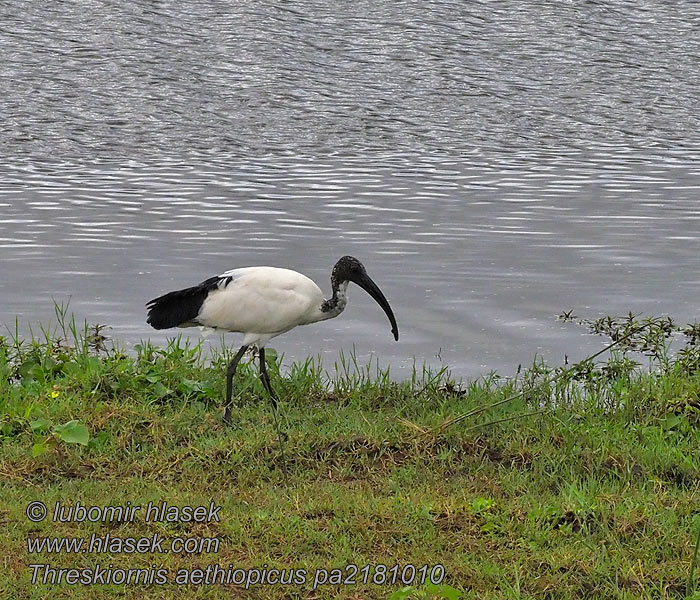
492	164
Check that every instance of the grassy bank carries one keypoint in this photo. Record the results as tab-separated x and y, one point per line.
579	483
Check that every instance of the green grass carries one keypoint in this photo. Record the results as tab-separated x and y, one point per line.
597	495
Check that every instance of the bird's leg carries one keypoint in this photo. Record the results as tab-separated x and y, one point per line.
281	435
229	381
266	379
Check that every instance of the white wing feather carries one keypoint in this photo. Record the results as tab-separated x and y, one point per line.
264	300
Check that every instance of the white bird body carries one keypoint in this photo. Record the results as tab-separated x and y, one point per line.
263	302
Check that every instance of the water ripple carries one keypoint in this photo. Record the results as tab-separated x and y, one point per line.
491	166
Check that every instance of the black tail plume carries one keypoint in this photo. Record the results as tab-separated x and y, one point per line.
179	307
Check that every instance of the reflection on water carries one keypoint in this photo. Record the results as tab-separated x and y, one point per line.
491	167
476	257
105	79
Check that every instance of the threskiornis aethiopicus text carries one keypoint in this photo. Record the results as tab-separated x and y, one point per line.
261	302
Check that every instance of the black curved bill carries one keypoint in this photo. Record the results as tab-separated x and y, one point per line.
366	283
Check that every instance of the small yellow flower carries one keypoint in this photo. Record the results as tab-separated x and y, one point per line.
54	394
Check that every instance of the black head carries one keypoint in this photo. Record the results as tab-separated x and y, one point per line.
349	268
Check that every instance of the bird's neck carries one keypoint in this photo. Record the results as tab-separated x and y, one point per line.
336	304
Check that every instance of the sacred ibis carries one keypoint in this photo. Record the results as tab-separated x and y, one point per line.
261	302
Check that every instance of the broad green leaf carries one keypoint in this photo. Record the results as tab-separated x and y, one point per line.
443	591
161	391
38	449
40	424
73	432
